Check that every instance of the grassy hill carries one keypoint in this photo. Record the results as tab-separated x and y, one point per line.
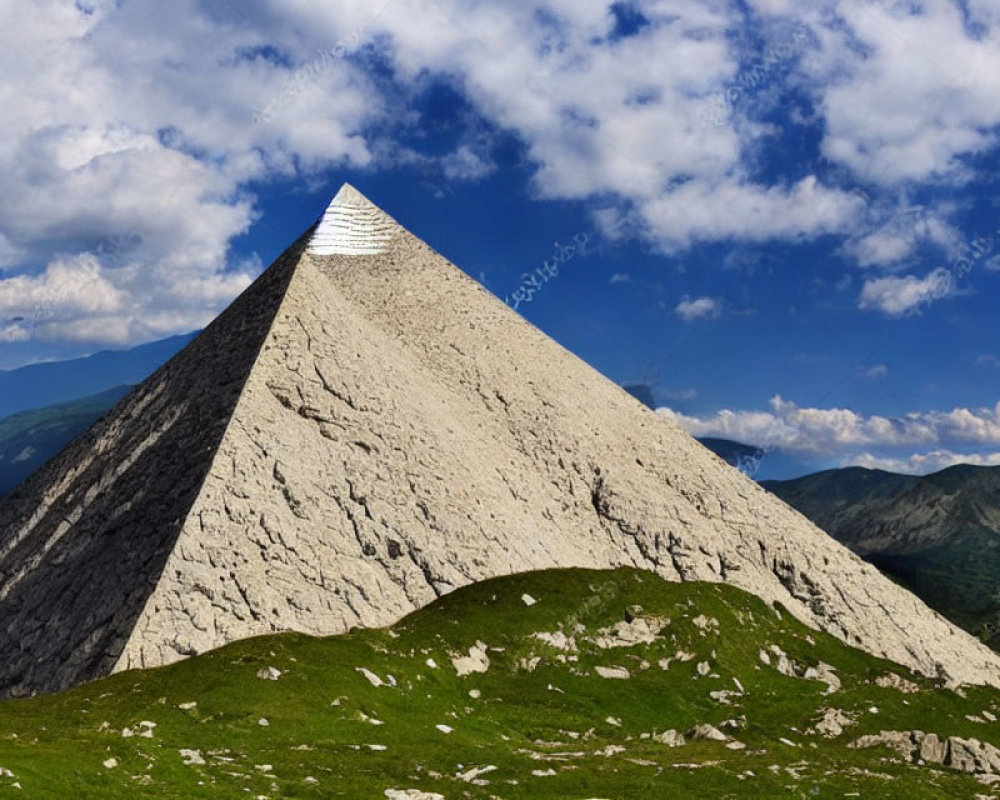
30	438
556	684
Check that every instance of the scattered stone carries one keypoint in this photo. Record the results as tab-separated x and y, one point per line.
192	757
476	662
188	706
269	674
709	732
705	623
263	722
671	738
725	696
630	633
833	723
473	775
371	677
444	728
894	681
825	674
704	668
528	600
613	673
411	794
558	640
111	763
964	755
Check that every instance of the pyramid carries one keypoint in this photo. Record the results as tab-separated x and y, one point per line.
366	429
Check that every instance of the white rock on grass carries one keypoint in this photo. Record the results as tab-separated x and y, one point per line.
708	732
192	757
528	600
476	662
370	676
671	738
475	774
411	794
444	728
558	640
269	674
613	673
111	763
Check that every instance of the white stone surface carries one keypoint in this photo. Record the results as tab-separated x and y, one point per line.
352	226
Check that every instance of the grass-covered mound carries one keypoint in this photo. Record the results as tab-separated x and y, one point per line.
579	694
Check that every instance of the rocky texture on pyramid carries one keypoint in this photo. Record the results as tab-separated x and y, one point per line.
363	430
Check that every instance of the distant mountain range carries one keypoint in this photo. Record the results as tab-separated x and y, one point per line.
47	384
30	438
938	535
43	407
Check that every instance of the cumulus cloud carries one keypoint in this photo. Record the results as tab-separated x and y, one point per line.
896	234
898	297
177	110
829	431
923	463
906	90
701	308
122	195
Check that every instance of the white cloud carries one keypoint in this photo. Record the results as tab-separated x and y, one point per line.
922	463
899	297
156	142
620	277
13	332
916	95
701	308
465	165
878	371
151	149
827	432
988	361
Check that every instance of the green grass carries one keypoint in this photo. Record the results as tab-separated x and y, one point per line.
321	713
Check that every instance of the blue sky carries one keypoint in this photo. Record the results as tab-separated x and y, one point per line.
783	215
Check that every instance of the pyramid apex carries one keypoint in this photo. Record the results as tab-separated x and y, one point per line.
352	226
349	196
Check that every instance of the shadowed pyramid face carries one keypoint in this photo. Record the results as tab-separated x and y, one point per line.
365	429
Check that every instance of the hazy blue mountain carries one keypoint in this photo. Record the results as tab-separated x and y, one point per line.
939	535
30	438
41	385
